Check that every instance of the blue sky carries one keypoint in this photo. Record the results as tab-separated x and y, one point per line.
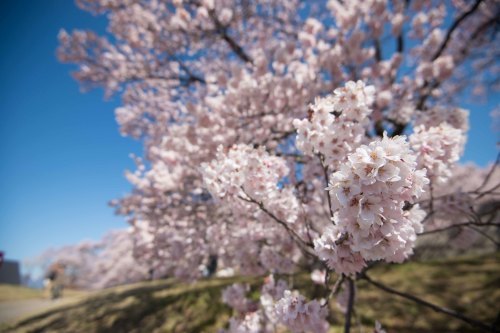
62	156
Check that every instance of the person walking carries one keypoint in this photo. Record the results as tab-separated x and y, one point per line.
54	281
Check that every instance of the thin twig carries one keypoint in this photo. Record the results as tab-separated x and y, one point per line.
485	235
490	173
222	31
427	217
292	232
490	191
328	197
335	289
458	225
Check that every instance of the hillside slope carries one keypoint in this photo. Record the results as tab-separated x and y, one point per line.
469	285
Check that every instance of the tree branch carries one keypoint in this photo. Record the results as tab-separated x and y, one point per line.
335	289
236	48
458	225
350	306
476	323
378	50
454	26
485	235
400	43
222	31
490	173
292	232
399	128
400	39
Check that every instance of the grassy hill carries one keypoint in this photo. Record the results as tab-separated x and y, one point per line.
9	292
469	285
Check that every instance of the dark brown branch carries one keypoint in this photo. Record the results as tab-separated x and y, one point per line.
475	192
292	232
236	48
222	31
484	26
485	235
350	306
184	80
190	76
400	39
490	173
454	26
335	288
459	225
399	128
400	43
378	51
473	322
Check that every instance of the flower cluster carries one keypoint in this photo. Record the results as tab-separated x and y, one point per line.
318	276
253	174
250	323
455	117
275	262
272	291
336	250
335	125
438	148
234	296
441	68
274	288
195	75
378	328
371	194
254	317
300	316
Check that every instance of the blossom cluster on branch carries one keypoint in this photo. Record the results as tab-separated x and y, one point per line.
248	110
253	174
371	191
277	305
336	123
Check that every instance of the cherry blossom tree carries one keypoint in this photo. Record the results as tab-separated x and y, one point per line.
89	265
285	135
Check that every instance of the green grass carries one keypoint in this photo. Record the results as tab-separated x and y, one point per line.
469	285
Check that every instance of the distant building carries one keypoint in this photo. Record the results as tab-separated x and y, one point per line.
10	273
